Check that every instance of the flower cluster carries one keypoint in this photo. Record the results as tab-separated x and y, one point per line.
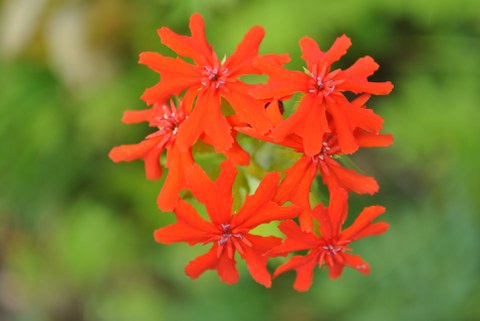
188	108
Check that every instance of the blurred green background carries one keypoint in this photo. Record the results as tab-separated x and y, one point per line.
76	229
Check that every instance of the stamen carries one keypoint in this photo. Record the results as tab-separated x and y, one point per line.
325	152
330	89
225	239
319	83
214	76
225	226
219	83
322	85
330	250
167	123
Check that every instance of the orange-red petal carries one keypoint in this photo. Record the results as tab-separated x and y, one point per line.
356	78
337	212
335	271
215	124
190	227
149	150
247	109
343	128
237	155
365	139
336	51
162	64
312	128
177	161
202	263
316	59
363	226
297	183
254	203
167	88
296	239
240	62
304	266
190	129
295	123
153	168
136	116
126	153
357	263
197	29
281	83
348	179
216	196
224	266
195	47
256	261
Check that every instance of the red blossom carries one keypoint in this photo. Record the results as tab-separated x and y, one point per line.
211	80
297	184
323	95
166	118
325	126
330	247
227	232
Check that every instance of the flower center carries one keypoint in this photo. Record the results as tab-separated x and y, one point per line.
332	250
325	152
321	85
231	241
227	234
214	77
332	253
167	123
329	148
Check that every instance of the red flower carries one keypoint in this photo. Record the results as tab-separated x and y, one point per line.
296	185
228	233
166	118
323	99
330	247
209	80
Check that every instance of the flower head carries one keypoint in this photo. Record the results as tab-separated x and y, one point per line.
297	184
209	79
165	118
329	248
227	232
323	104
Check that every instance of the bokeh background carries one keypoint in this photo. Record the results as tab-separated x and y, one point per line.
76	229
